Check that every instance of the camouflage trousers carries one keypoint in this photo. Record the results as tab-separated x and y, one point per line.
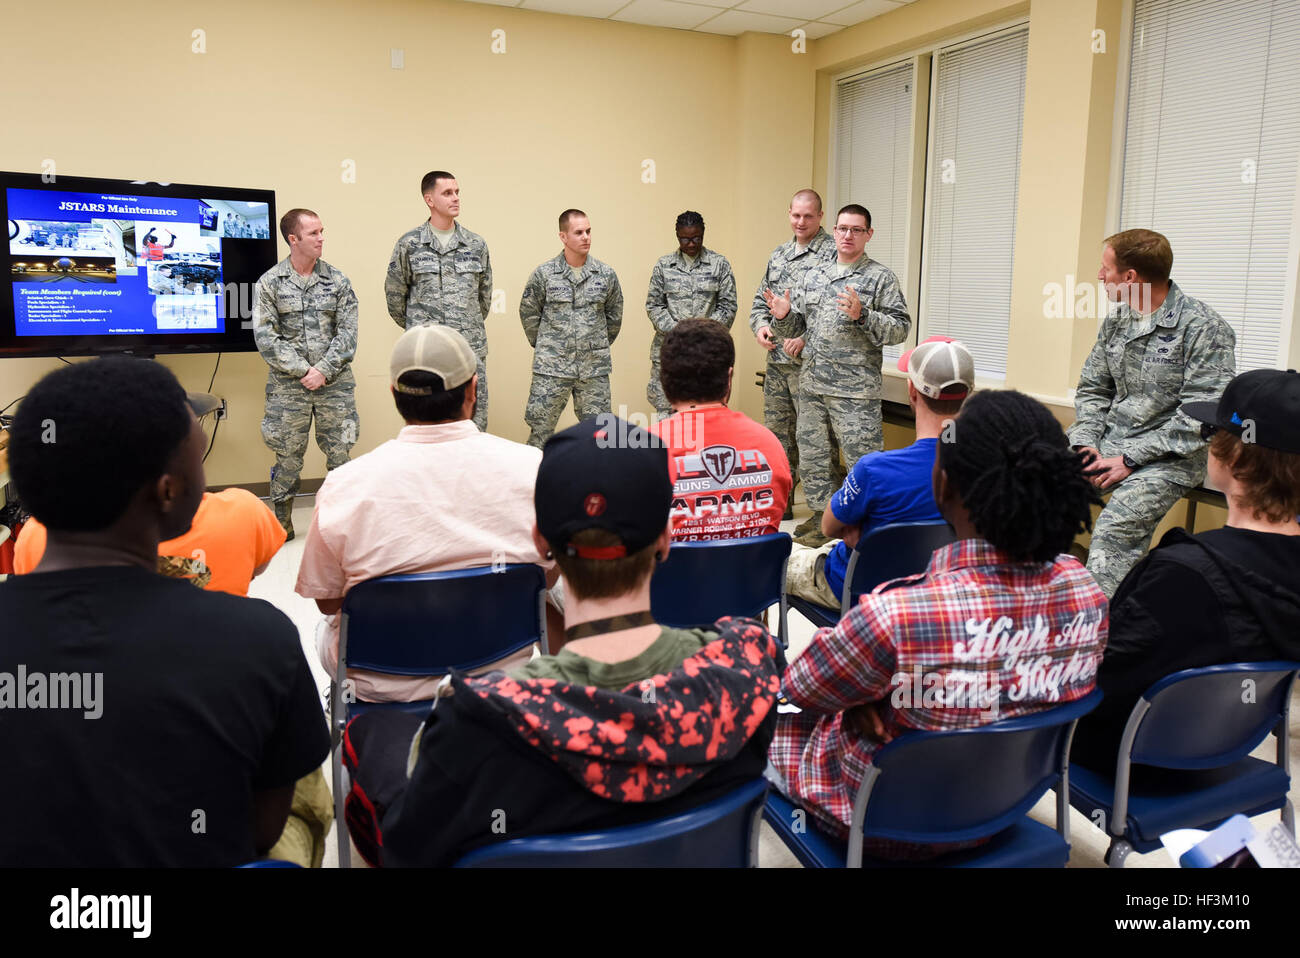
547	396
822	419
286	427
654	392
1123	531
780	410
481	409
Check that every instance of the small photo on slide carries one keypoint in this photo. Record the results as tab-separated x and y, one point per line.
156	241
239	220
54	269
50	237
185	312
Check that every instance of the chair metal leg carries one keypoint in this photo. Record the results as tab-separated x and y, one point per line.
1288	818
340	823
1118	851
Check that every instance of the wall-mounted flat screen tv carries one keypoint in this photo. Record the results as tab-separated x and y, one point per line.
96	266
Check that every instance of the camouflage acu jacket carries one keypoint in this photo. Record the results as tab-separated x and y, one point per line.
571	323
427	284
305	321
843	357
785	271
677	291
1141	369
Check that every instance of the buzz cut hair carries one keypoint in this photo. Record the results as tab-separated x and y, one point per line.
292	220
568	215
808	194
430	181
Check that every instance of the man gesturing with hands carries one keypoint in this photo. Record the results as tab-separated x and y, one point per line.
839	317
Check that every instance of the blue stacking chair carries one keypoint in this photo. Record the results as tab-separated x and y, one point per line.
428	624
951	786
1198	721
889	552
721	834
703	581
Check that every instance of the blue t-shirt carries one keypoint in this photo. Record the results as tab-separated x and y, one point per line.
883	488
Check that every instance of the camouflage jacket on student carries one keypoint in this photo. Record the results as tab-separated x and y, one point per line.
571	322
843	357
785	271
1141	369
427	284
305	321
706	290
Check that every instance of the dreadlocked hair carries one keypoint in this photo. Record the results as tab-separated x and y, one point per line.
1020	481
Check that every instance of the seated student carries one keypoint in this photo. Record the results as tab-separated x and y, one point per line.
630	721
888	487
162	725
730	475
442	495
1227	595
232	539
1001	621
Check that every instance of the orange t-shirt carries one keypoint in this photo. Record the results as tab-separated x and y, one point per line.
232	534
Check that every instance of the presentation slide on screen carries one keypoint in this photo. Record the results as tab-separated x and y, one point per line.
97	263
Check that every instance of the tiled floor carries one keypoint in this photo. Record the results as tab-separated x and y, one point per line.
1087	841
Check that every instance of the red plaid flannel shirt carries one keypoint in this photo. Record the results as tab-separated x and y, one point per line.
974	639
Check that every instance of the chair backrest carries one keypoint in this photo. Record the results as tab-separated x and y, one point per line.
720	834
431	622
891	552
956	785
703	581
1212	716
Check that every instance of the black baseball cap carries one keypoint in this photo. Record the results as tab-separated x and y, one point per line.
1267	398
603	473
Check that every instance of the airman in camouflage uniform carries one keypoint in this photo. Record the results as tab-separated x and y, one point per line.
448	282
571	315
305	327
839	386
1141	369
785	271
692	283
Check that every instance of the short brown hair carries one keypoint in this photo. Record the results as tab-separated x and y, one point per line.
1270	478
568	215
942	407
291	220
604	578
807	194
1146	252
694	360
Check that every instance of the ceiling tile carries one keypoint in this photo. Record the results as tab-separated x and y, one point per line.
735	23
799	9
576	8
664	13
860	11
819	28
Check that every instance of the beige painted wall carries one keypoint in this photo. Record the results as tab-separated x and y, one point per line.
565	117
288	91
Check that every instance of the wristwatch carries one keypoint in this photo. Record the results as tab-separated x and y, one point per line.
1129	463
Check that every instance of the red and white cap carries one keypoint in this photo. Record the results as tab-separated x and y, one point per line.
940	368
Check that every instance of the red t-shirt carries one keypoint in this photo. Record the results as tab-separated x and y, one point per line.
730	475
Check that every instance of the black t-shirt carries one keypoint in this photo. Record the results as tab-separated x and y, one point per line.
201	698
1167	617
